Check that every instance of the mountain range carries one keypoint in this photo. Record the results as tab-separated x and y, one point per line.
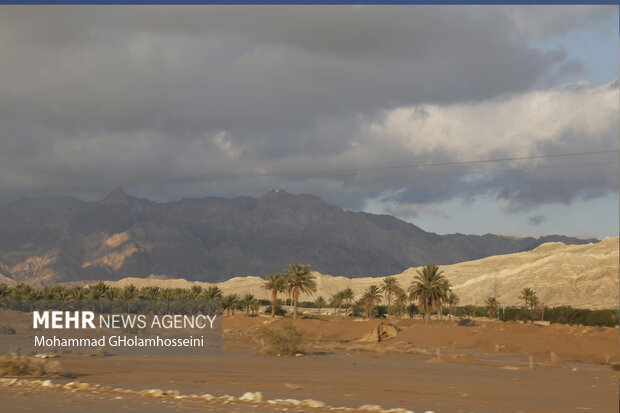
211	239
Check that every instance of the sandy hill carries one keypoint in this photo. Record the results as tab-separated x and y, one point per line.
577	275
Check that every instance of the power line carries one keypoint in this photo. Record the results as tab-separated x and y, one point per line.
492	171
407	166
73	178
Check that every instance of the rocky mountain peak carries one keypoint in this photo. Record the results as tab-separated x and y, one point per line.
118	195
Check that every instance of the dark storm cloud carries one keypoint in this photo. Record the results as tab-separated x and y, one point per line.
536	219
94	97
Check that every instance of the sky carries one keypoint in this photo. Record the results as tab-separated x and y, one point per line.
191	101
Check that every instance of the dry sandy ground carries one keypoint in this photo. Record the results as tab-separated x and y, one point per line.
477	369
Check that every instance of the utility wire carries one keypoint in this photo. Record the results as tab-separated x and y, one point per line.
73	179
407	166
479	172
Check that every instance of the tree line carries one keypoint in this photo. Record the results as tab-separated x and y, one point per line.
430	289
429	292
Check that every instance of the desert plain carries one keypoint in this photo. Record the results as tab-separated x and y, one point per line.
353	364
441	366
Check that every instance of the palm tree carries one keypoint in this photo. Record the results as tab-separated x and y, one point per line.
347	296
452	300
77	293
166	294
97	291
230	303
276	284
4	291
50	292
526	296
445	287
428	288
246	303
401	301
371	297
299	280
211	293
254	306
529	299
533	303
337	301
491	306
128	292
320	303
149	293
389	288
194	292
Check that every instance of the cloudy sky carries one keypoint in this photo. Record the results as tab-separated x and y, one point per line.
172	102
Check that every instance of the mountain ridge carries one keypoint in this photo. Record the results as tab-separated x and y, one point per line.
65	239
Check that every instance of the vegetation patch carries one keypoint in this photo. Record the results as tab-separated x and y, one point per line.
287	340
15	365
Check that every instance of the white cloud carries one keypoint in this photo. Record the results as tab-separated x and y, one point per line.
564	117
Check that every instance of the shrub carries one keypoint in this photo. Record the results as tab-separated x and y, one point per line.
412	309
279	310
285	341
7	329
15	365
514	314
602	318
379	311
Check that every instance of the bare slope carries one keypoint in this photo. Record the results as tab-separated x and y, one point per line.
577	275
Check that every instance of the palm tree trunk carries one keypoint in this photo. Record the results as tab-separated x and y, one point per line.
295	297
389	301
274	303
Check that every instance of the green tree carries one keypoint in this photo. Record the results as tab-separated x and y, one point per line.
491	306
337	301
445	288
194	292
389	287
299	280
149	293
4	291
246	303
526	295
428	288
400	303
320	303
529	299
230	303
211	293
129	292
370	298
275	283
97	291
77	293
347	296
452	300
